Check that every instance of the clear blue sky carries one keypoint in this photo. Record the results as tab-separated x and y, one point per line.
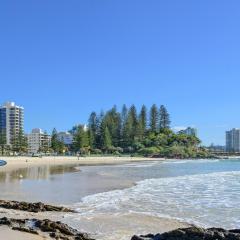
63	59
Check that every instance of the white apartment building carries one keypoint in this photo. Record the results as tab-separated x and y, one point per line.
233	140
65	137
38	141
11	122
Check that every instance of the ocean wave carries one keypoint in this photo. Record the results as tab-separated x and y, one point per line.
205	199
138	164
179	161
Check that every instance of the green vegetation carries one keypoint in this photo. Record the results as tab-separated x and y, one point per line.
128	132
19	143
56	145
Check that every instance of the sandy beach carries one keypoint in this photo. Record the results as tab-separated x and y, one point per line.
14	163
22	162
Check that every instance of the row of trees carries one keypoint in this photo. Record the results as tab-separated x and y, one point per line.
129	131
126	128
18	143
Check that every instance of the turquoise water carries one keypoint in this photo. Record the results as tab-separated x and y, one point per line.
204	192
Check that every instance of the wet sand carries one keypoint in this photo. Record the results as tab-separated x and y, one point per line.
103	224
8	234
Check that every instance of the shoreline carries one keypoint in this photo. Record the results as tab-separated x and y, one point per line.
13	163
22	162
18	162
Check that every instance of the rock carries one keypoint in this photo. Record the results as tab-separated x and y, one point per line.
56	230
22	229
194	233
32	207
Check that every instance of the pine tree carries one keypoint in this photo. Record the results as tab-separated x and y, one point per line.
56	145
2	141
107	142
81	139
54	141
154	117
99	130
142	122
124	114
130	127
164	118
113	123
22	142
133	116
92	126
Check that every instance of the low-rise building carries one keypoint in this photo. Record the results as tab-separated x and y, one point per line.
38	141
65	137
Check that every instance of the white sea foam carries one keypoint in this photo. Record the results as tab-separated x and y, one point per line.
205	199
138	164
177	161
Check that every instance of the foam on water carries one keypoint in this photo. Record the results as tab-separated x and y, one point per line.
191	161
204	199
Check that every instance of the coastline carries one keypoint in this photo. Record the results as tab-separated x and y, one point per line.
13	163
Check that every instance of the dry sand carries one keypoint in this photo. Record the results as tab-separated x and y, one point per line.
22	162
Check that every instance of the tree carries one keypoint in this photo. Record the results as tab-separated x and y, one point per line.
2	141
107	142
81	139
142	122
56	145
124	115
130	127
93	127
154	117
54	140
22	142
19	142
164	118
112	120
99	121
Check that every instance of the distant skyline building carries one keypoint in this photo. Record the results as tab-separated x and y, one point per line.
11	122
38	141
217	148
233	140
189	131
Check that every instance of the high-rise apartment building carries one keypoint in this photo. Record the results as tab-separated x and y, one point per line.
233	140
11	122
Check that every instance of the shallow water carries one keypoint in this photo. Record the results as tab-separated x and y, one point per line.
55	184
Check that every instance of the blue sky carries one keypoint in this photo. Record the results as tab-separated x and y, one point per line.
63	59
